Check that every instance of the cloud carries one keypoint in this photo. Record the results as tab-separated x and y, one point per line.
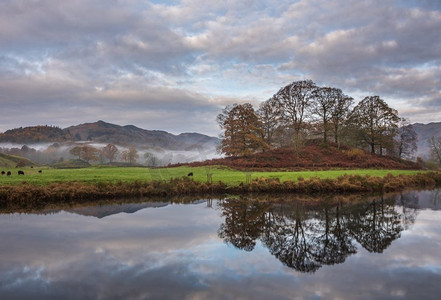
68	62
129	101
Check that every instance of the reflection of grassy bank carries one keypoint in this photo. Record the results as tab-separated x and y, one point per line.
309	200
29	195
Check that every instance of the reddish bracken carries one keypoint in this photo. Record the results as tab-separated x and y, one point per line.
311	157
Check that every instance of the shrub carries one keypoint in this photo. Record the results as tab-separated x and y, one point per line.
354	153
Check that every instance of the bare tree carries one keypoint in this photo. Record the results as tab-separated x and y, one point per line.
76	151
293	100
375	122
323	106
130	155
151	160
269	117
110	151
89	153
435	148
406	140
340	114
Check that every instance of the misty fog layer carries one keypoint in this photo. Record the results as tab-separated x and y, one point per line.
51	153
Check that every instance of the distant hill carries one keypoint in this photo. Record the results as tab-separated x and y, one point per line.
102	132
35	134
425	132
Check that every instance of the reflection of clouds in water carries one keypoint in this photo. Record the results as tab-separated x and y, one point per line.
422	243
101	277
174	252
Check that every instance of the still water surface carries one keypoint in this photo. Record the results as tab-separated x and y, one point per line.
381	247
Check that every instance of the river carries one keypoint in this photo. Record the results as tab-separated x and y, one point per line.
346	247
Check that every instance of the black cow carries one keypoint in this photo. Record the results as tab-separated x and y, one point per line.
190	174
3	172
40	171
9	173
20	172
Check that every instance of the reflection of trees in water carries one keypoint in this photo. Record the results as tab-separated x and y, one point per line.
244	222
435	198
409	208
287	237
305	237
332	241
374	225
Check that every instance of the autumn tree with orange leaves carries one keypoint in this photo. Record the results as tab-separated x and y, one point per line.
243	132
110	151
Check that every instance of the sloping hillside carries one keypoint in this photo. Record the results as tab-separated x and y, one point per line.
11	161
34	134
311	157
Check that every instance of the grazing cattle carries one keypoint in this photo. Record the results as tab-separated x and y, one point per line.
20	172
32	167
3	172
40	171
190	174
9	173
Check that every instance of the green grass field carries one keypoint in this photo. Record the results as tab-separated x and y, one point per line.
130	174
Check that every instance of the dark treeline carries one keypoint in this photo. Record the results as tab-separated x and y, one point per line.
302	110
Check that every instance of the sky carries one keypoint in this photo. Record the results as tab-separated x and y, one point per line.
174	65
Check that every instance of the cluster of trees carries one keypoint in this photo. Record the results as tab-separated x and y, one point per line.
59	153
108	153
303	110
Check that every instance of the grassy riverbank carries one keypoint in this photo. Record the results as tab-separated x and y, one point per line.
230	177
79	185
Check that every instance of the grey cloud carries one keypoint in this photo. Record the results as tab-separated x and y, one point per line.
35	101
97	32
47	22
411	82
261	40
428	4
73	61
354	51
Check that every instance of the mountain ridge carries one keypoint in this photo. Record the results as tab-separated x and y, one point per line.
425	132
104	132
